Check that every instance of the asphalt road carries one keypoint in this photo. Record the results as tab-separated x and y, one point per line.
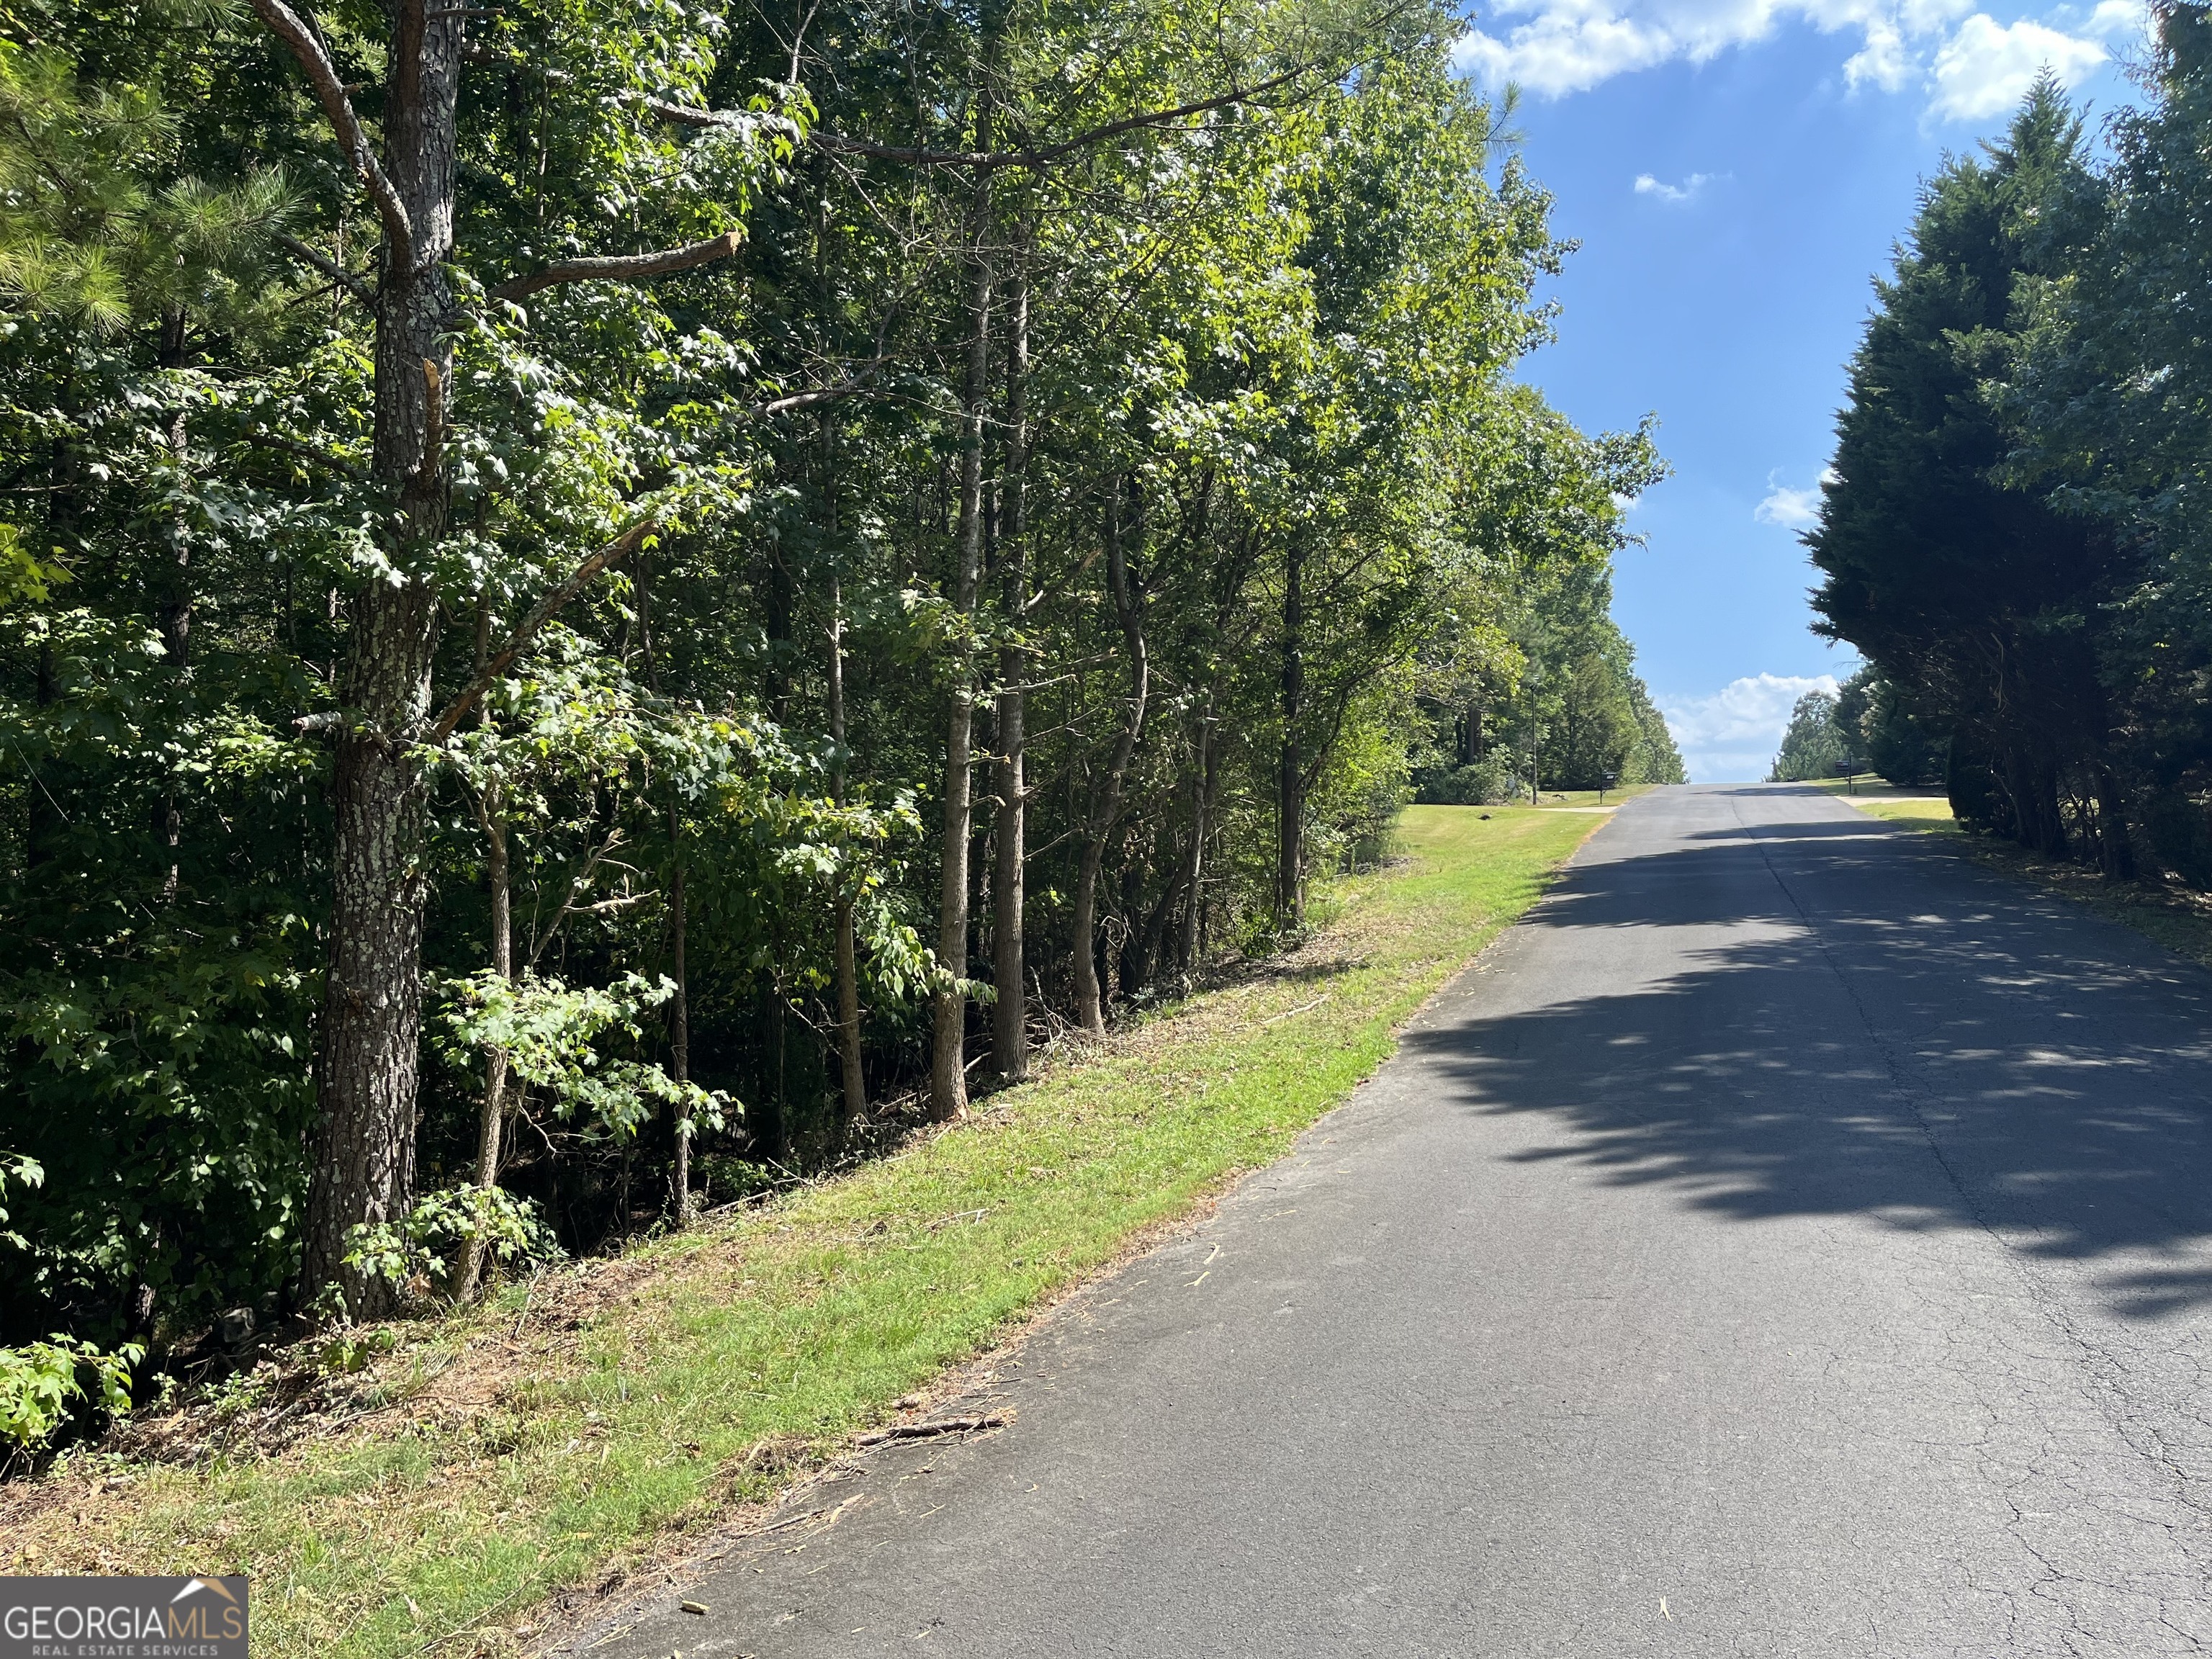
1789	1240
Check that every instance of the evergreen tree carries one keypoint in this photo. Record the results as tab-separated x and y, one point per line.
1973	596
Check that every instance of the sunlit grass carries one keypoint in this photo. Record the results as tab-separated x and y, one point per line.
532	1447
1550	797
1915	812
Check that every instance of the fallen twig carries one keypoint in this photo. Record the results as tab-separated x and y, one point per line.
931	1429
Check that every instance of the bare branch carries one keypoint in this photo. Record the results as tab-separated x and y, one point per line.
799	400
578	886
329	268
330	93
622	268
500	661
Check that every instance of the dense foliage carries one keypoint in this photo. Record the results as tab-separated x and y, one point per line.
599	594
1866	725
2011	536
1546	698
1815	744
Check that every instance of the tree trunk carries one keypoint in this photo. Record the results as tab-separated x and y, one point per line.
363	1158
174	616
1535	737
492	1115
1010	1045
2115	853
948	1075
848	1022
680	1017
176	626
847	968
846	972
1203	782
1290	804
1106	807
1140	959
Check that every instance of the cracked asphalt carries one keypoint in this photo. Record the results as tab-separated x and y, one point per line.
1789	1240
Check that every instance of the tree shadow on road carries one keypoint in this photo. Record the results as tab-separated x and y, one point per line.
1841	1018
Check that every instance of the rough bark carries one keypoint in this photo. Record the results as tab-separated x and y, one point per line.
620	268
1106	805
1010	1046
364	1144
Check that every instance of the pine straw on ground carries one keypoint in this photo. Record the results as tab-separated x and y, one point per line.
492	1466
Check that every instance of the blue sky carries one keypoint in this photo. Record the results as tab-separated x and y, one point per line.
1737	175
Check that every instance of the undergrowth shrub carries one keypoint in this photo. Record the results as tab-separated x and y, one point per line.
41	1383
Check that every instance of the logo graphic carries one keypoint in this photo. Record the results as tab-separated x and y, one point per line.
123	1618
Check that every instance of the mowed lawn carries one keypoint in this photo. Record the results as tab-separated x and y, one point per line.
559	1435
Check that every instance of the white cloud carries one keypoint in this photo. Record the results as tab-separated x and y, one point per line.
1559	52
1732	735
1984	68
1976	70
1648	185
2127	19
1792	510
1745	713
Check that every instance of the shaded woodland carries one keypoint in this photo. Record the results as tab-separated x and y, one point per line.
602	602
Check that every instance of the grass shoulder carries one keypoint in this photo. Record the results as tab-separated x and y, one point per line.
1914	808
1587	799
562	1435
2175	917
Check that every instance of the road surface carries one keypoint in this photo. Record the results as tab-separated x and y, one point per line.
1788	1241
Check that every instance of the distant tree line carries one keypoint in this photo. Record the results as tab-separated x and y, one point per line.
1863	726
2013	535
1550	700
597	599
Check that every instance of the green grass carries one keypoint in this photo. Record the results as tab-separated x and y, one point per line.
1914	808
1934	815
1553	798
646	1395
